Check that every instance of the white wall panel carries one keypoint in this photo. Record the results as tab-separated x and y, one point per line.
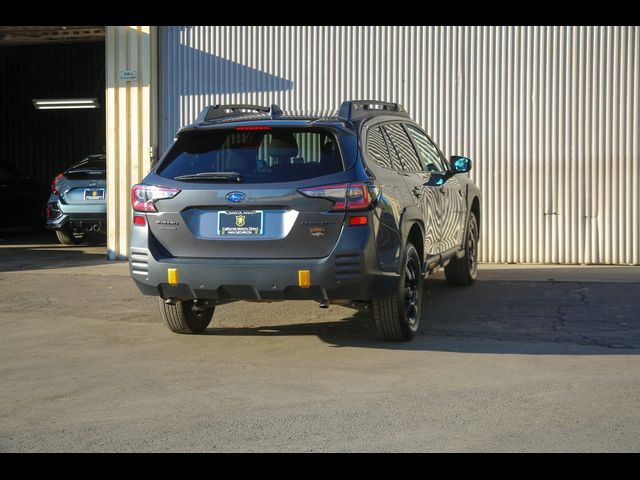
131	126
549	115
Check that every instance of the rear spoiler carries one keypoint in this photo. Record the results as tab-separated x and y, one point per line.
213	112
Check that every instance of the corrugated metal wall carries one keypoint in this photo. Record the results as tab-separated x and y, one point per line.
131	124
43	143
548	114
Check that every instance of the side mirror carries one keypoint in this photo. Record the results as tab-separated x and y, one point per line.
460	164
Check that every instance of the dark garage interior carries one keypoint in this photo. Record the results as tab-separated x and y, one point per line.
42	143
48	64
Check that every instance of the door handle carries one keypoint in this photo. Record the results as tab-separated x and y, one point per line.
442	190
417	191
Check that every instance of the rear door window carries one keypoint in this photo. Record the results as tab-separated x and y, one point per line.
393	151
377	148
403	146
257	156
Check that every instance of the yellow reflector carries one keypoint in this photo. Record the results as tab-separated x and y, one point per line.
304	278
172	276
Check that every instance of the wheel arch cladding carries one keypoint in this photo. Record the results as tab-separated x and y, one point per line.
475	208
415	237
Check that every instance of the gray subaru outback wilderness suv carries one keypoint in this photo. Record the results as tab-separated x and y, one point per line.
252	204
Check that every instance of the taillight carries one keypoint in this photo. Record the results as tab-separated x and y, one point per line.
54	184
345	196
143	197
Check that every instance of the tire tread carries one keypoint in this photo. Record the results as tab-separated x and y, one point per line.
457	271
179	320
66	237
387	316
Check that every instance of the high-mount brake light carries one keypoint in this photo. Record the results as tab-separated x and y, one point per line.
345	196
253	127
143	197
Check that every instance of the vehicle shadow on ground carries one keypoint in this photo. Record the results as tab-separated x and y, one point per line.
20	251
536	318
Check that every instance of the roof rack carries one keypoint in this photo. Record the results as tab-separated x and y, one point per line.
213	112
353	110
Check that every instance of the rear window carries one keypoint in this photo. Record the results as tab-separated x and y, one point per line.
90	164
258	156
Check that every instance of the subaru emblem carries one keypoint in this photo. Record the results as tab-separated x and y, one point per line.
235	197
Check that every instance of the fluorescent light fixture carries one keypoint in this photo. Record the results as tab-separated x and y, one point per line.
62	107
64	103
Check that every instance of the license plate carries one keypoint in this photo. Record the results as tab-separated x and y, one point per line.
94	193
240	222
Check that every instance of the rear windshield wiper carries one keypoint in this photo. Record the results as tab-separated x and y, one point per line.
212	176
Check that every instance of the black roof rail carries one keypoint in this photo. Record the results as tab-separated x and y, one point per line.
352	110
213	112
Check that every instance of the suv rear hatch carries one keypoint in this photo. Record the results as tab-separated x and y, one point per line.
84	183
239	193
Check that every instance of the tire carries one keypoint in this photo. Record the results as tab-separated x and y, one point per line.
397	318
463	271
66	237
184	317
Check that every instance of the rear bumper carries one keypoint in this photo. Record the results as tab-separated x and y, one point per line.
78	216
79	221
348	273
257	280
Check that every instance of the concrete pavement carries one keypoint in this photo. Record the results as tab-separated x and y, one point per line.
516	362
